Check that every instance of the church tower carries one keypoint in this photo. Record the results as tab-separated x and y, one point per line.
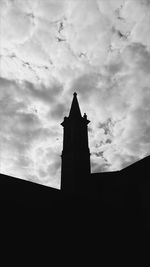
75	169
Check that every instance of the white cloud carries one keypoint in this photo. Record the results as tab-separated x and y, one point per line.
51	48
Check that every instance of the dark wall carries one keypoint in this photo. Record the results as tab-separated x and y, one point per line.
116	199
126	193
15	192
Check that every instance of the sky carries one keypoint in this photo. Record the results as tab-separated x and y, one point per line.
51	48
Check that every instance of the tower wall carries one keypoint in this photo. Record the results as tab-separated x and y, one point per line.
75	171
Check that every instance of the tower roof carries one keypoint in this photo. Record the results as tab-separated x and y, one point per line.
75	109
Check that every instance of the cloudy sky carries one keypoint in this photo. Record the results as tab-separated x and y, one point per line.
51	48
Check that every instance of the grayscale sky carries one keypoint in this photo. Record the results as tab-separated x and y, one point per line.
51	48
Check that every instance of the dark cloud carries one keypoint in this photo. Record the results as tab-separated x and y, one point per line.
23	161
108	141
86	84
42	93
140	56
53	168
106	126
42	173
5	82
58	111
115	67
146	2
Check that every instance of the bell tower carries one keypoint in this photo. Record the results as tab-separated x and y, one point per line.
75	168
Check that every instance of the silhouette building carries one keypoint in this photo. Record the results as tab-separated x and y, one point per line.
75	171
119	196
76	176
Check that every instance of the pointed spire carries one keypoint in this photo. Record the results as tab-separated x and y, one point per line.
75	109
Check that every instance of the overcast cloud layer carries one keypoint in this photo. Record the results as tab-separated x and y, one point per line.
51	48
